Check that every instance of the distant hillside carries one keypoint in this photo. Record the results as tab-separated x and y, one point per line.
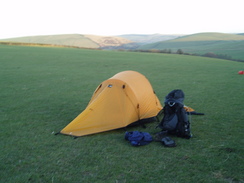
148	38
209	37
130	41
218	43
105	41
77	40
201	43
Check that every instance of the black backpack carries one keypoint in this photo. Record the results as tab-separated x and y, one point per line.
175	120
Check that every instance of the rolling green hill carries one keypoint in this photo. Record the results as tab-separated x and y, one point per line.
209	36
218	43
76	40
229	45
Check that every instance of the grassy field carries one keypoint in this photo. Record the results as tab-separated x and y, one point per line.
43	89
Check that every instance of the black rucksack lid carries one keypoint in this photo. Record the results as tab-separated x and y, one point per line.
176	96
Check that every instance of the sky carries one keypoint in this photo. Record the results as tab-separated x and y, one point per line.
20	18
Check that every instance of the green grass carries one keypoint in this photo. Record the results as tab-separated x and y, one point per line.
43	89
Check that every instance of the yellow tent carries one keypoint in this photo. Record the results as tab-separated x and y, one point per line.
123	99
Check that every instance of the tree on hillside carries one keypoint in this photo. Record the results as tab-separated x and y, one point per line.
179	51
210	54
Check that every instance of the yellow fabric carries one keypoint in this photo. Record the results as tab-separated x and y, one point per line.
117	102
188	109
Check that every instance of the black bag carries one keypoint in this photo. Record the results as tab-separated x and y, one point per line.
175	120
